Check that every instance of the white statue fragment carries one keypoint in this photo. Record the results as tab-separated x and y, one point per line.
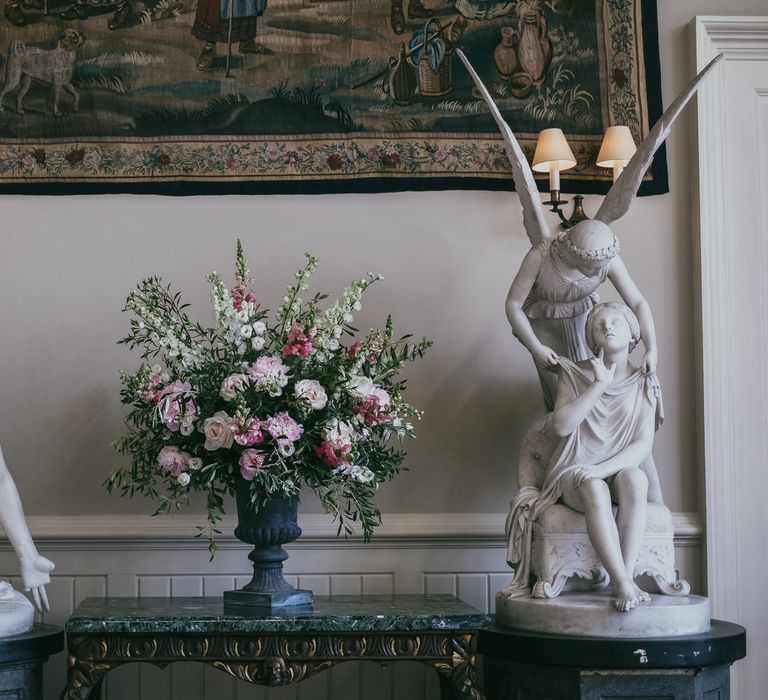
16	612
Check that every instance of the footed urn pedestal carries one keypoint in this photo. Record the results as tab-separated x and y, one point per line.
267	529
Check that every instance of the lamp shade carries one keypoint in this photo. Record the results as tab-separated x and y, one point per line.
617	148
552	148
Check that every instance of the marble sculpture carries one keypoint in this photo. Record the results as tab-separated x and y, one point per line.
592	452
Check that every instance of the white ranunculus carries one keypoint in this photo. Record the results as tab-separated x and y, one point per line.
312	391
182	479
259	327
218	434
360	386
257	343
246	331
195	463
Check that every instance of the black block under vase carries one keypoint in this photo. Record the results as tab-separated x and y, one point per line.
268	529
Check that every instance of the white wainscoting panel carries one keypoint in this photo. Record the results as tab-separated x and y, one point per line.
130	558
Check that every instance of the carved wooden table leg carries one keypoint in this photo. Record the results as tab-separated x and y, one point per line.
84	675
458	678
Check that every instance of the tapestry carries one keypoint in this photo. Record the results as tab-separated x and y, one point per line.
191	96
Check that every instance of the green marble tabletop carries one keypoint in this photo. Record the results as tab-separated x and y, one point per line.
343	613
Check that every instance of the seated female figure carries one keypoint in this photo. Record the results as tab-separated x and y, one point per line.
605	415
607	421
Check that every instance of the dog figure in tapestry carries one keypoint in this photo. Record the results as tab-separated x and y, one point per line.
53	66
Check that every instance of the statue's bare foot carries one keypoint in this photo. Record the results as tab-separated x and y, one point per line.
644	596
626	596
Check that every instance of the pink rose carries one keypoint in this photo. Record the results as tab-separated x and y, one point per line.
217	432
282	425
233	385
173	460
250	462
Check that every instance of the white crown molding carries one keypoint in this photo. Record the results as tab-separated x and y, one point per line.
398	529
739	38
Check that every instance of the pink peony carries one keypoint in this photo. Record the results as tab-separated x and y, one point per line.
269	374
299	342
250	462
173	460
239	294
281	425
247	433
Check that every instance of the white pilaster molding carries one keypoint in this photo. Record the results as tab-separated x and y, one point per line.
739	39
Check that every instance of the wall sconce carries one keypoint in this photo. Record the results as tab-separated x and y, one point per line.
553	154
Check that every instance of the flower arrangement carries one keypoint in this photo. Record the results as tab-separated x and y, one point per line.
280	404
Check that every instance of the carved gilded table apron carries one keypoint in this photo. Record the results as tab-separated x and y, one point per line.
274	648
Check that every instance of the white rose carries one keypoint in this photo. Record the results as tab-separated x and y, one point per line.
182	479
360	386
217	432
313	392
195	463
232	385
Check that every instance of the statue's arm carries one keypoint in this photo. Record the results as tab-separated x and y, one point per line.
633	455
570	409
626	287
35	569
525	278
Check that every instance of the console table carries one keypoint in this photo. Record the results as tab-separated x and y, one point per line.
277	647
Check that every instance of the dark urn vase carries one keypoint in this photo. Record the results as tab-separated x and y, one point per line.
267	529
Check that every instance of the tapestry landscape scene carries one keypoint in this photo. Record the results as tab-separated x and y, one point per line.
306	88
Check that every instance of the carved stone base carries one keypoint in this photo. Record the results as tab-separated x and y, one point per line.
557	559
594	615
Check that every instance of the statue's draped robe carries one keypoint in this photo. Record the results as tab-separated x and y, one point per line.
616	420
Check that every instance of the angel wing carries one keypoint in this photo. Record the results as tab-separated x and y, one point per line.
533	213
620	196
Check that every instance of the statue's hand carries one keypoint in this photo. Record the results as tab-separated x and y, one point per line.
545	358
603	374
582	474
649	361
35	574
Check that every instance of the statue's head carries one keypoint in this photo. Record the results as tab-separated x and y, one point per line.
611	326
589	246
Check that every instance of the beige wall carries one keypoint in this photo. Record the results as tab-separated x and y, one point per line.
67	264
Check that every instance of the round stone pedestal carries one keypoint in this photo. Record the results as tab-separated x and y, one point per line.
21	661
532	665
594	615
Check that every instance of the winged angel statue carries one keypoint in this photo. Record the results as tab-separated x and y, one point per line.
605	410
556	285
